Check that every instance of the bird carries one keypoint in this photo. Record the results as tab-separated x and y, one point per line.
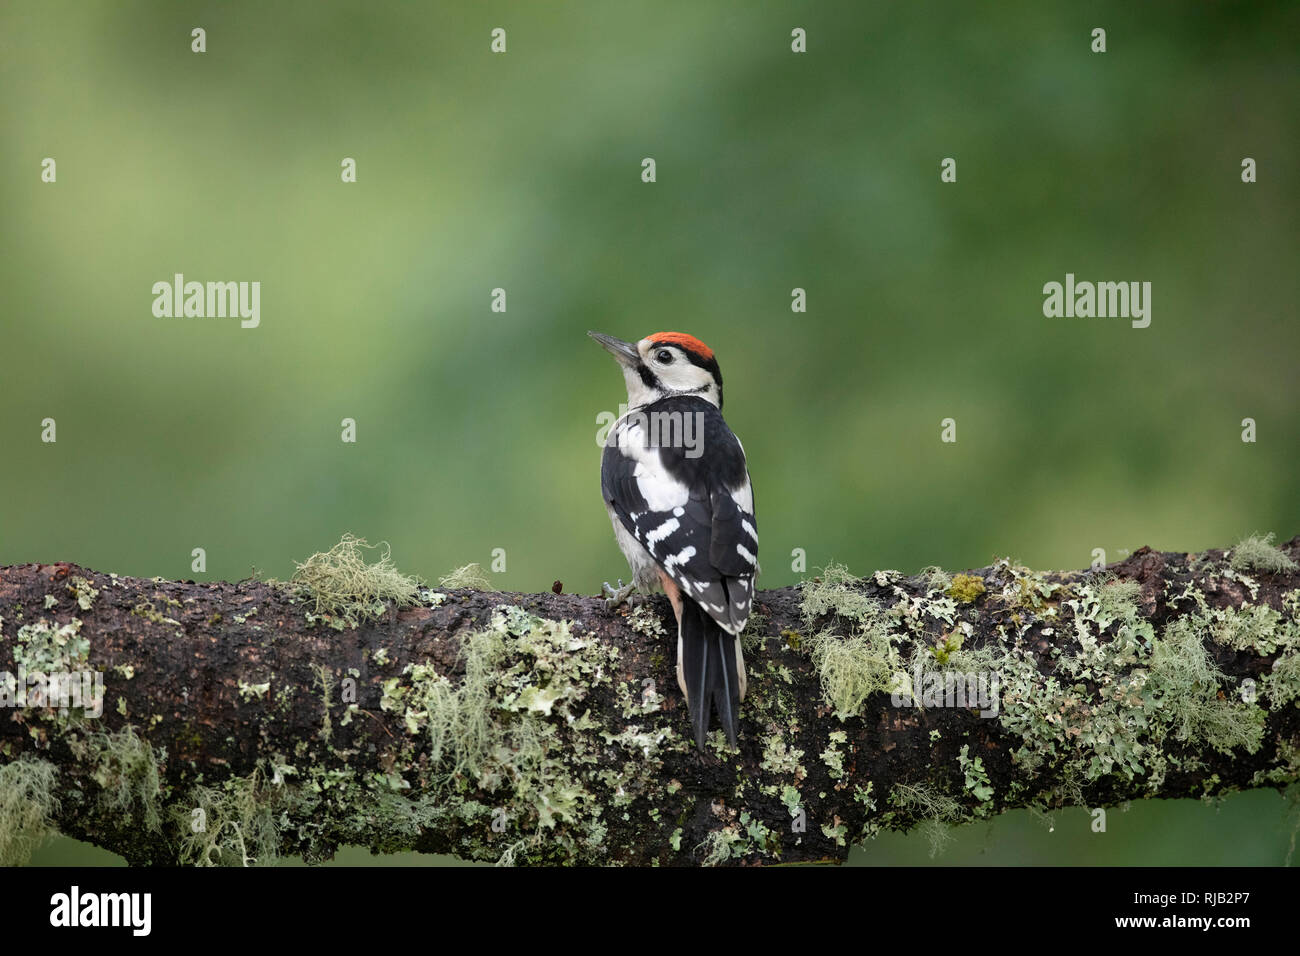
676	485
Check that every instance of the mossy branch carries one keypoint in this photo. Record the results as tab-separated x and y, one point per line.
246	721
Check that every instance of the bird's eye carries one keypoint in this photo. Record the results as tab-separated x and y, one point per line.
664	357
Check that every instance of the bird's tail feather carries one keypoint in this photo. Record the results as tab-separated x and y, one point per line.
708	662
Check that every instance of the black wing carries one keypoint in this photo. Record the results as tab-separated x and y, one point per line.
676	477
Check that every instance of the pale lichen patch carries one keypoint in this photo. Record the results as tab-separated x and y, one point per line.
345	587
28	803
1257	553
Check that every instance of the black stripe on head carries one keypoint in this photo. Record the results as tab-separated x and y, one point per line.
708	363
648	377
711	364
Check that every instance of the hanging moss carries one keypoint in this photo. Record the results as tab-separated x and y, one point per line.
126	769
27	807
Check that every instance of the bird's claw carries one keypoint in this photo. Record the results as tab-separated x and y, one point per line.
617	595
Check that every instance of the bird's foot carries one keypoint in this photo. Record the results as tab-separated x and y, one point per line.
614	596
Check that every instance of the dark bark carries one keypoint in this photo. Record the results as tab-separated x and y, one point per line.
285	772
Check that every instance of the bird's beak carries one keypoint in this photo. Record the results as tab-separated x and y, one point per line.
625	352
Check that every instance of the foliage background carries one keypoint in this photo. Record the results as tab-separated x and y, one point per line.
476	430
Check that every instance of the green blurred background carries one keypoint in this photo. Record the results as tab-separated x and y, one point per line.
477	430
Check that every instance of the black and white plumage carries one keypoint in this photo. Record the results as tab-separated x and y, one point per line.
677	489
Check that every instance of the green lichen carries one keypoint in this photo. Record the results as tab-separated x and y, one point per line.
1285	770
516	726
83	591
966	588
233	824
832	756
792	800
28	803
779	757
852	667
936	579
470	576
1125	693
935	811
1185	686
146	609
744	837
1088	714
1257	553
645	621
250	692
126	769
325	678
837	830
754	636
1253	627
1022	588
1282	683
1113	600
977	779
835	592
949	645
51	648
345	587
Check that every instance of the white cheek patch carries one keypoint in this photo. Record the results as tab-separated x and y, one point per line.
637	393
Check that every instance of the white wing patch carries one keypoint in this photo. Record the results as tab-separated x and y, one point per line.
681	557
660	491
652	538
744	497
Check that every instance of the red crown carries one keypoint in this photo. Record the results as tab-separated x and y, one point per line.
688	342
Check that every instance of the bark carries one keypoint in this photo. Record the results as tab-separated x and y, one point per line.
573	745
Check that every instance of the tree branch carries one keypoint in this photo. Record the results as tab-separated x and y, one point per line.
240	724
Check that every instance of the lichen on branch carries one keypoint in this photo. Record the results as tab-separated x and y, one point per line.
353	706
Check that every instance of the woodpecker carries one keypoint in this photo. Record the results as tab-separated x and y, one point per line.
677	490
